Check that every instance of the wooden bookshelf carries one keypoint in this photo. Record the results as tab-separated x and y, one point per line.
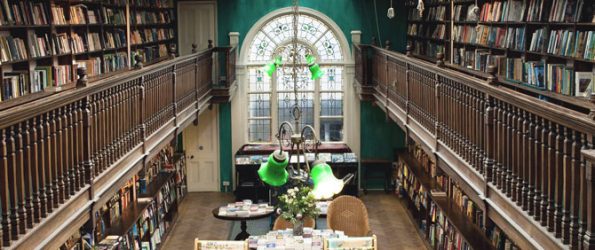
510	31
69	34
155	186
472	234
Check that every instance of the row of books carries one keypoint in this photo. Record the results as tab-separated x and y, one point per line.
23	13
557	78
566	10
499	238
428	48
578	44
19	83
464	13
12	49
442	234
436	14
151	35
153	17
503	11
152	3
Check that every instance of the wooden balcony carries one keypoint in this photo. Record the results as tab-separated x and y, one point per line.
63	156
526	162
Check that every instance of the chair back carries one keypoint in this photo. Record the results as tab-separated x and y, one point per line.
281	223
220	245
352	243
348	214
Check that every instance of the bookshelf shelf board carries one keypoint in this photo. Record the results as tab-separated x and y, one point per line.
15	61
109	25
155	186
10	27
559	56
574	100
142	25
476	73
429	21
438	40
108	75
129	216
41	57
472	234
465	22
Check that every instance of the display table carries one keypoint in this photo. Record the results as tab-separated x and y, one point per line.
312	239
241	212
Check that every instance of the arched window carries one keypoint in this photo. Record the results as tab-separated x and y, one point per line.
271	99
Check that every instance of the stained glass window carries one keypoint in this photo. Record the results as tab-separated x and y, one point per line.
271	99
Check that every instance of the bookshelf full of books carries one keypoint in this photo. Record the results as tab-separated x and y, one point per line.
429	32
546	47
445	215
152	29
43	43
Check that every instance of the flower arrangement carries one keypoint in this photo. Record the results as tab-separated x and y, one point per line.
297	204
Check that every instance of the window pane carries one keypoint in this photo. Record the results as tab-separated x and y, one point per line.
328	47
331	104
332	80
260	105
285	80
259	81
262	48
287	103
259	130
331	129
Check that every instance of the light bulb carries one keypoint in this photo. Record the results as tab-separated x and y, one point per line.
391	13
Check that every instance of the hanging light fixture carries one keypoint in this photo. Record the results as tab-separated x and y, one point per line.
391	11
275	172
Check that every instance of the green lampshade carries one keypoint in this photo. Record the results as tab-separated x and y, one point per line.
326	185
273	171
271	67
314	67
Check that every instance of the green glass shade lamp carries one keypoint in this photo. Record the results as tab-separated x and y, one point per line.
273	171
314	67
272	67
326	185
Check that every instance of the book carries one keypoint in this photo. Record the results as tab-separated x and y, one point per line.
584	84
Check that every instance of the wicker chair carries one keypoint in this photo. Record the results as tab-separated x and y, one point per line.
220	244
281	223
348	214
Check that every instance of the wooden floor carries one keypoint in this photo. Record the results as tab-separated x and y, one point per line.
388	220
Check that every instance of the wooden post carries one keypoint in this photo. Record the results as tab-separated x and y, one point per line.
4	188
387	45
409	50
194	48
210	46
440	61
492	79
139	61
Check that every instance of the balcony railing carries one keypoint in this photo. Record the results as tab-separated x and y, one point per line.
66	148
529	161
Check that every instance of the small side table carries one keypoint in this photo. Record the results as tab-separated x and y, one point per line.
243	234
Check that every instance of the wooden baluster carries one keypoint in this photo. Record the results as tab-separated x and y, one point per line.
499	146
54	159
4	188
530	162
20	177
551	155
86	147
102	136
109	128
35	171
559	165
567	185
69	151
72	150
538	167
524	157
27	174
544	172
584	201
514	155
12	185
63	146
80	170
519	157
589	236
43	167
59	159
510	143
575	189
490	136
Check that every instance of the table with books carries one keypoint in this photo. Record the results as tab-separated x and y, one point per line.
284	239
243	211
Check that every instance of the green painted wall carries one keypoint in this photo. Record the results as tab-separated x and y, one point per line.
241	15
225	153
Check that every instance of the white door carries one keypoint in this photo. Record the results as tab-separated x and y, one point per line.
196	24
202	149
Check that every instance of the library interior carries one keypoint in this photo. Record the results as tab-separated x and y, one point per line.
297	124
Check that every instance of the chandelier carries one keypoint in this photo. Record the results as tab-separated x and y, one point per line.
294	60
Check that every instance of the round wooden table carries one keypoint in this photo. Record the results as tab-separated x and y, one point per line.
243	234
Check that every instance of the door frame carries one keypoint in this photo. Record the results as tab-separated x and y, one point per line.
182	3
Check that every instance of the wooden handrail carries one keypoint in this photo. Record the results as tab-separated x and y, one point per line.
54	148
525	152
